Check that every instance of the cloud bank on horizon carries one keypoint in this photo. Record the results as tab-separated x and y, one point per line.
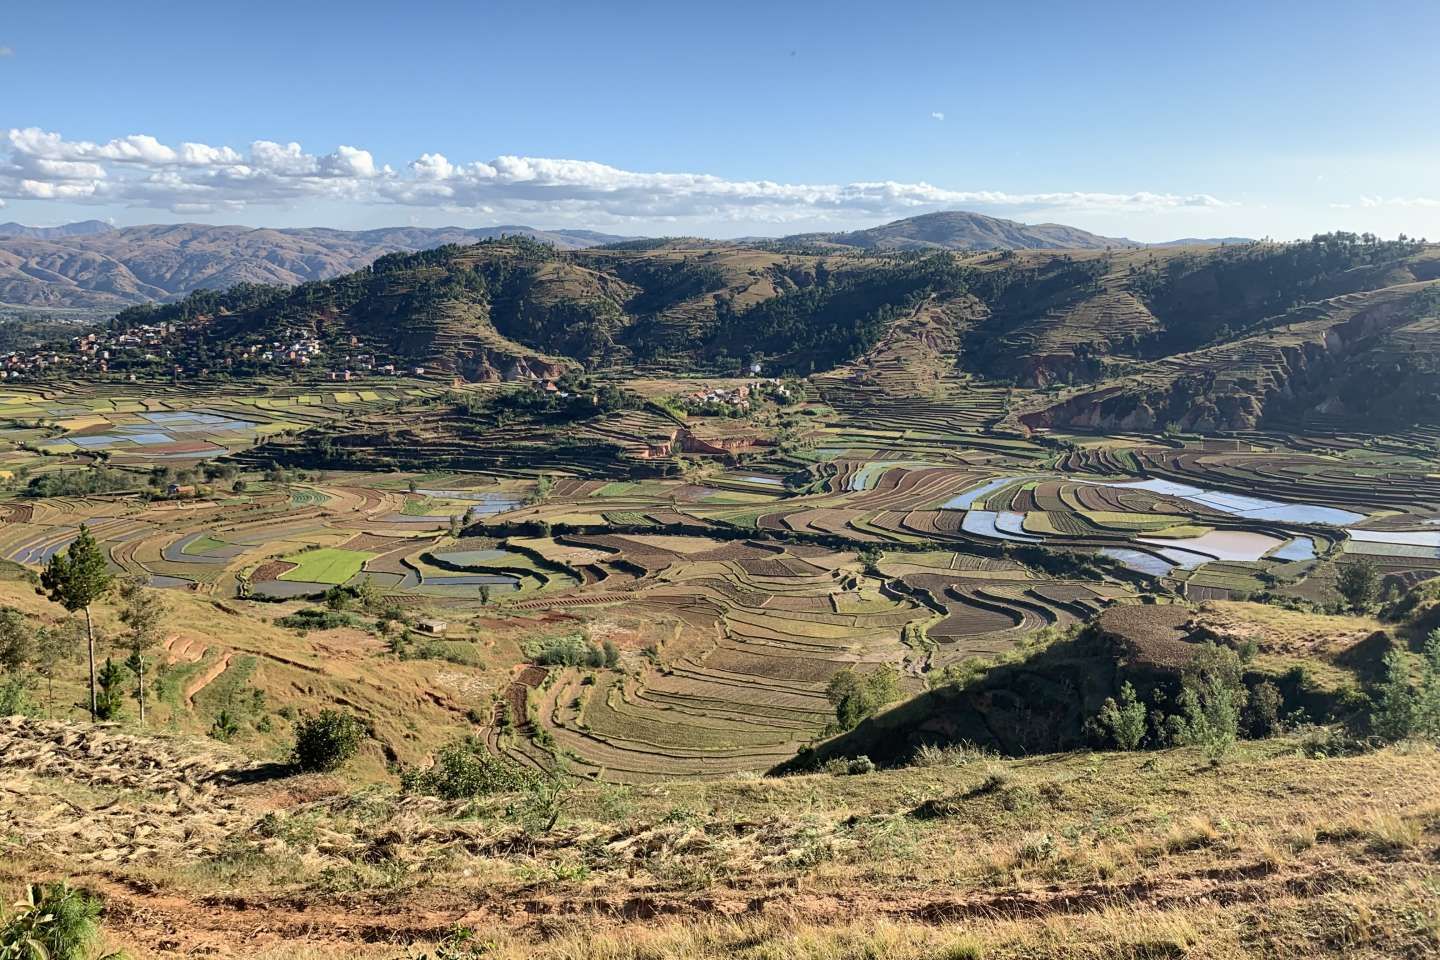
198	179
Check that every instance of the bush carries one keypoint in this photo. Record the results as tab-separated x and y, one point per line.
465	770
327	740
109	699
571	650
860	766
314	618
225	727
857	697
1121	724
1212	699
51	922
1262	714
1400	710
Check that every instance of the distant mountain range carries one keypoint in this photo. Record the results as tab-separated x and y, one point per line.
1202	242
82	228
93	266
959	230
96	268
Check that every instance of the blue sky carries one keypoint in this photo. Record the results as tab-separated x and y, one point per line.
1149	120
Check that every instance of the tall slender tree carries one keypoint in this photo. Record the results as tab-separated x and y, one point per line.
75	578
53	646
141	612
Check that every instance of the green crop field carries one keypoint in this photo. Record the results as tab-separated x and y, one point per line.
326	565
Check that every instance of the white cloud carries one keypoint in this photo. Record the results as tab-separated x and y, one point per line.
141	171
1411	202
203	155
937	115
7	51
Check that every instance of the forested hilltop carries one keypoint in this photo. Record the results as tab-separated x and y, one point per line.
1204	338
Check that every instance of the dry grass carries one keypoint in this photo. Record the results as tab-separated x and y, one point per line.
1085	855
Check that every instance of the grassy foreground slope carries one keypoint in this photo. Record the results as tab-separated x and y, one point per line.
1272	853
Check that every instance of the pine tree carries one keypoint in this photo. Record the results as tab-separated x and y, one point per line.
75	578
142	613
52	648
17	640
109	700
1359	583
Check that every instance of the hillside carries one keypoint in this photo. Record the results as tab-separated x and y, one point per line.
1329	331
80	228
1314	337
95	267
1273	854
477	309
959	230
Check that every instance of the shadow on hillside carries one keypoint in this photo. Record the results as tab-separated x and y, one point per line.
1038	705
257	773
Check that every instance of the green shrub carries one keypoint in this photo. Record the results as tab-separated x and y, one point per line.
51	922
571	650
1212	699
225	726
860	766
327	740
1262	714
465	770
109	699
857	697
1399	709
1121	724
315	618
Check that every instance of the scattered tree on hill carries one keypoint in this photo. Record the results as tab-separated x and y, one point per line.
368	595
142	612
110	698
52	647
1212	698
856	697
1359	583
17	653
75	578
1400	710
1122	724
870	558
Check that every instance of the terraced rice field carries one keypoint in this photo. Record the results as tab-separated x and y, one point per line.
888	531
